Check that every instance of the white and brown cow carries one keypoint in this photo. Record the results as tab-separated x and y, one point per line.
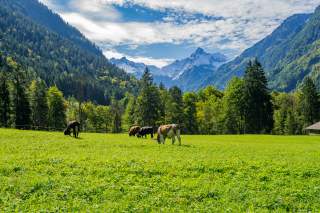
171	131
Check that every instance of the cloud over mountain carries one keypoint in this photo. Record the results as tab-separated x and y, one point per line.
225	26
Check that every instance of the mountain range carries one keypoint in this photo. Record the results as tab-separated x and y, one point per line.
186	73
51	49
289	54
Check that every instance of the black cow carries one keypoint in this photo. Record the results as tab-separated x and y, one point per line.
75	127
144	131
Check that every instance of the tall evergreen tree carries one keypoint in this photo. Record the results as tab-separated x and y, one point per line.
57	109
148	101
4	101
21	106
164	96
258	111
190	113
21	109
116	111
310	105
39	104
174	106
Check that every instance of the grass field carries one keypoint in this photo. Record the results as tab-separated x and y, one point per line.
50	172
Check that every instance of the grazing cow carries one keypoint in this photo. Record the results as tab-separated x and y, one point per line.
144	131
134	130
75	126
171	131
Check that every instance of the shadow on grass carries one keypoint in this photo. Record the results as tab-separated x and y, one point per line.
187	145
78	138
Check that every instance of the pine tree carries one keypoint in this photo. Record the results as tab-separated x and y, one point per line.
39	104
116	111
258	111
310	105
190	113
4	101
148	101
57	109
174	106
164	96
21	109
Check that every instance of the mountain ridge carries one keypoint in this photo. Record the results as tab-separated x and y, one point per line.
57	59
185	73
281	54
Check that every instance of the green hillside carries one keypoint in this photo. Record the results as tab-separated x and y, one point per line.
288	55
46	171
67	60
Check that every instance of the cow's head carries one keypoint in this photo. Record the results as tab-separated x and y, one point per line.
67	132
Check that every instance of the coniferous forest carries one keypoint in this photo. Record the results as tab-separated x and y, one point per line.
246	106
58	59
51	74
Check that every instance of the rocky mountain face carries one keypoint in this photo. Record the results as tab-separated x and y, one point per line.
134	68
197	59
187	73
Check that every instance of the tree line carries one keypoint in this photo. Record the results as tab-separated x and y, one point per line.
31	104
246	106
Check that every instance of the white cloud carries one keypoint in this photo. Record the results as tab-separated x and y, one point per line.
204	33
95	9
228	8
243	22
138	59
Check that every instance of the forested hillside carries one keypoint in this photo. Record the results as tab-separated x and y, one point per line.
288	55
40	14
66	59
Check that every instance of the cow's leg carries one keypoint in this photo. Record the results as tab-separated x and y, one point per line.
179	138
173	139
162	139
78	130
152	135
74	132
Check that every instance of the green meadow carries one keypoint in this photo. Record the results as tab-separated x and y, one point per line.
47	171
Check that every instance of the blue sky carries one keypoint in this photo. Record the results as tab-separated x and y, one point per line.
160	31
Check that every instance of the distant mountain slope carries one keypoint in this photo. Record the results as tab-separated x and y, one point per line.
41	15
187	73
137	70
131	67
289	54
76	70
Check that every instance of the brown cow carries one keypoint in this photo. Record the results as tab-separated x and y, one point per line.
171	131
134	130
